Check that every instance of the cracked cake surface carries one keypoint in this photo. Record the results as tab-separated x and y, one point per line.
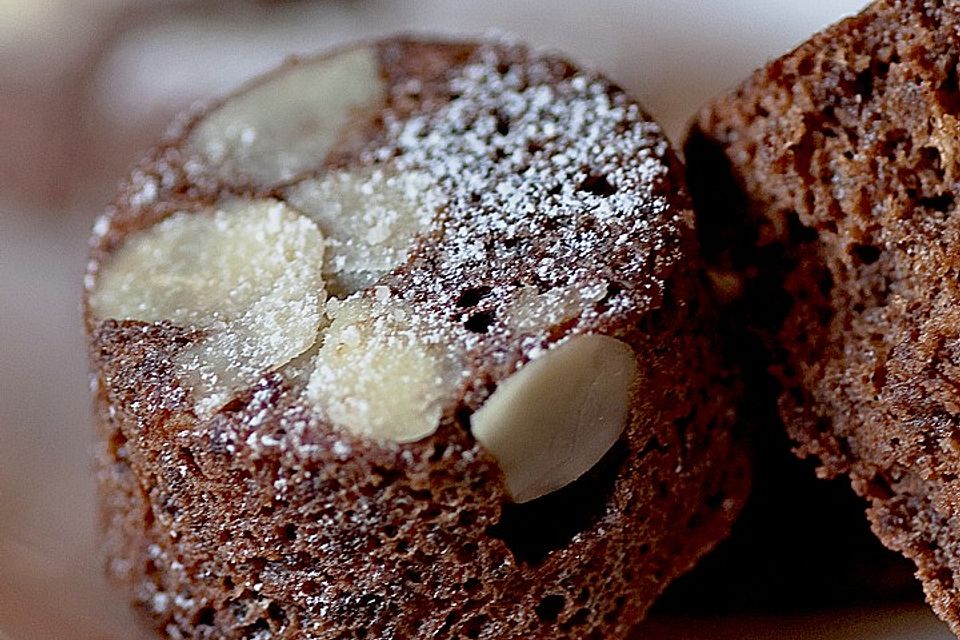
296	460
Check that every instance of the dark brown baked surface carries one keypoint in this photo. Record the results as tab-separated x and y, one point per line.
262	520
826	189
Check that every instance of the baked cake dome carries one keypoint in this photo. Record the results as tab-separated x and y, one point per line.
408	340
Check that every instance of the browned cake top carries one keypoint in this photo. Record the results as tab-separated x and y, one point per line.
533	202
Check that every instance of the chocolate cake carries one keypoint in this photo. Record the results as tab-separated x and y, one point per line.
825	188
408	340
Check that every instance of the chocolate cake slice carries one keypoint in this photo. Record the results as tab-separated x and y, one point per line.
408	341
825	188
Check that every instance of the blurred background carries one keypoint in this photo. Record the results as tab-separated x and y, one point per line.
86	85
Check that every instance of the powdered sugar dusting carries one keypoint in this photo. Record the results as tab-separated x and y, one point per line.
247	274
550	178
543	172
369	219
374	376
526	197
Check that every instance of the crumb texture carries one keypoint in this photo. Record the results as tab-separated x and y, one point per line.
482	207
826	187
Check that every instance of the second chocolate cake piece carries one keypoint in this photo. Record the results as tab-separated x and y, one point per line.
826	191
408	341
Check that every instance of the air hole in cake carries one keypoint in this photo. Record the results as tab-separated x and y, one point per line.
945	577
386	476
549	607
879	488
474	627
803	150
695	522
865	253
449	621
879	377
479	322
948	93
440	448
466	517
256	629
618	604
826	226
598	185
534	529
652	321
235	405
805	66
277	614
472	296
118	445
663	489
613	290
931	159
681	425
893	140
578	619
503	124
472	585
881	68
205	617
468	552
942	203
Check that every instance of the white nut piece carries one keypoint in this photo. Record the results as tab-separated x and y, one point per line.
373	375
369	219
247	273
555	418
532	311
288	123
